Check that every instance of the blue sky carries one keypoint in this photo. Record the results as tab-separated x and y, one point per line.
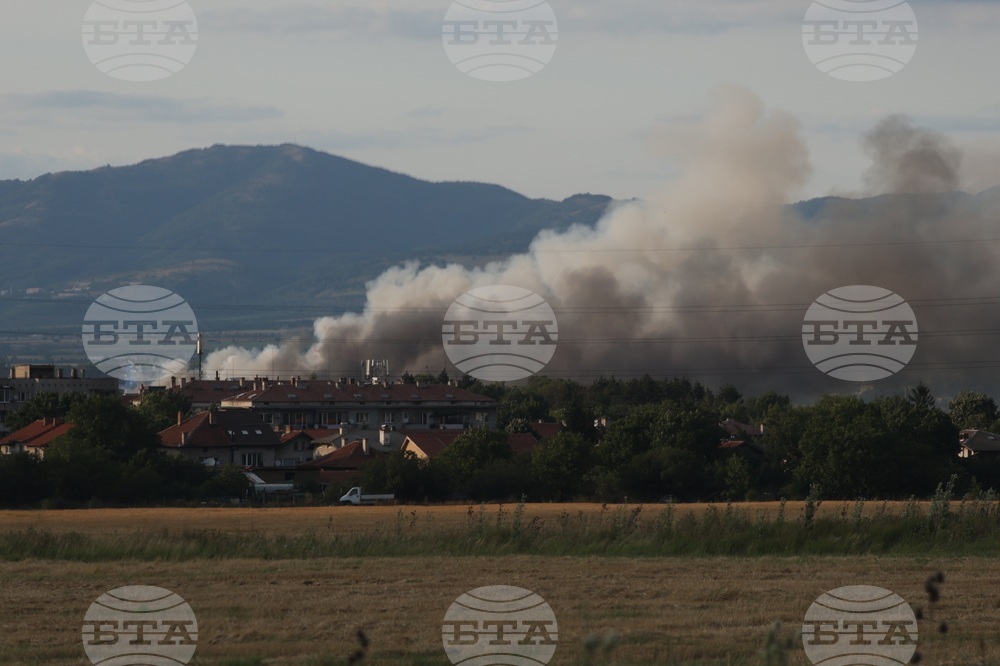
370	80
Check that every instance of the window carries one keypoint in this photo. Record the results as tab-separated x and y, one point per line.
252	459
361	418
268	418
387	417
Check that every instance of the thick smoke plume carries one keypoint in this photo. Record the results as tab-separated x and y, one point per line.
711	277
909	160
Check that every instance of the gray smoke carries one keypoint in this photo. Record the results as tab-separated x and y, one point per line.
711	277
910	160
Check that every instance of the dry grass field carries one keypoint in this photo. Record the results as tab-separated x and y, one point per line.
346	519
306	611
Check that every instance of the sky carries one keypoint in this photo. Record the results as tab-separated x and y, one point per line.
373	81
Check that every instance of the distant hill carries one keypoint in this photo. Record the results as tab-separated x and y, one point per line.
231	226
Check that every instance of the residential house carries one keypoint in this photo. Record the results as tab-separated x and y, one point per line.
220	438
35	437
340	466
976	442
428	444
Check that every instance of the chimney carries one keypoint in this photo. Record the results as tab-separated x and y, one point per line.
762	428
385	384
184	382
288	428
184	439
364	445
243	382
211	418
216	375
295	381
173	382
59	373
180	417
72	373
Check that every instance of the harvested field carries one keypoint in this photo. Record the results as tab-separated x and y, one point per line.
286	605
705	611
351	519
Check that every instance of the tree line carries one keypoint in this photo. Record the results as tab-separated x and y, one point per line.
649	440
640	440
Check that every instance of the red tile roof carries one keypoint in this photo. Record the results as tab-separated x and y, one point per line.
39	433
546	430
228	428
432	442
349	457
208	391
321	435
522	442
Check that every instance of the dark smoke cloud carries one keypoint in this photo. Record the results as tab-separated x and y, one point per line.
711	278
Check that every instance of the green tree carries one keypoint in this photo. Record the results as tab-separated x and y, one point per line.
921	396
103	422
43	405
229	481
519	404
162	407
23	480
971	409
843	448
398	473
560	464
471	451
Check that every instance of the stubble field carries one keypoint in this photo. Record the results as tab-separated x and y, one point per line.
306	610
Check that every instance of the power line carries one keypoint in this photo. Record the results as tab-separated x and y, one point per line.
644	250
